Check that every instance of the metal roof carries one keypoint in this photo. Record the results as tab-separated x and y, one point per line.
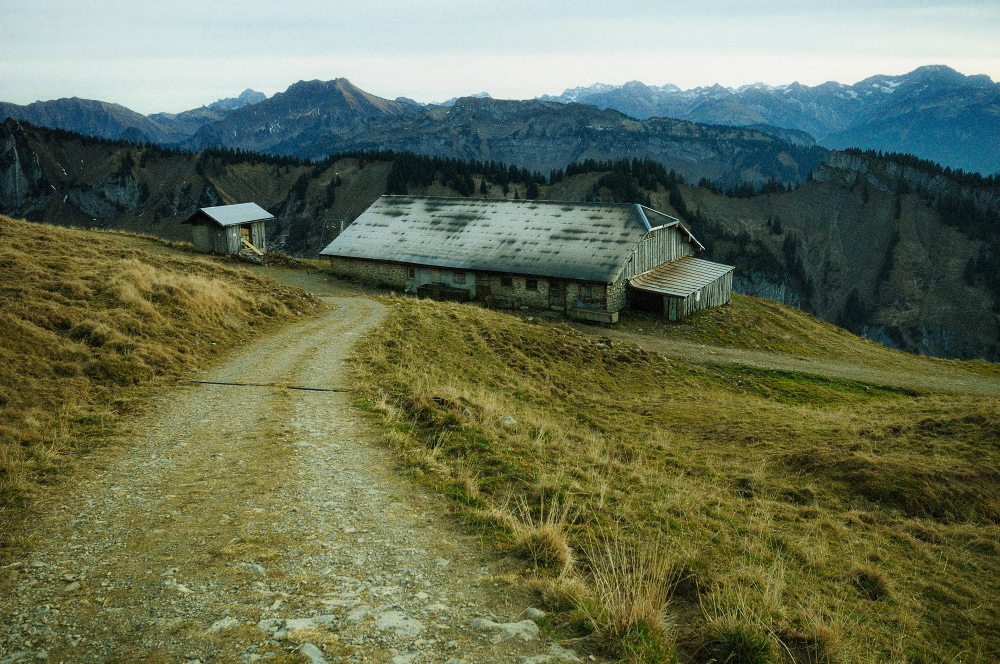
585	241
232	215
680	278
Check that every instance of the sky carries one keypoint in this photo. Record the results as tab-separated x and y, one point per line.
154	56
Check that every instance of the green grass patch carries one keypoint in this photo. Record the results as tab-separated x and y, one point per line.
756	324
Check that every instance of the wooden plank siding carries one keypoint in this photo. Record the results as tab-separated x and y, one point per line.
714	294
257	236
661	245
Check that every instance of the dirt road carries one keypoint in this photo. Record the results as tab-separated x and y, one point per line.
880	366
251	524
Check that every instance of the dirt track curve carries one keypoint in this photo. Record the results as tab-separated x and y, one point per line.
252	524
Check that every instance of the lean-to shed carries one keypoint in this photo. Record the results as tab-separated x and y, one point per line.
229	229
679	288
572	257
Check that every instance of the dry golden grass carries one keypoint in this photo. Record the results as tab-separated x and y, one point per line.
542	540
835	520
632	587
87	322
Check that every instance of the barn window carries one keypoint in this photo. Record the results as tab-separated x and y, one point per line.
459	278
507	282
531	284
411	273
584	291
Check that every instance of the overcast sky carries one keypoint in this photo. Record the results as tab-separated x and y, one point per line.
171	56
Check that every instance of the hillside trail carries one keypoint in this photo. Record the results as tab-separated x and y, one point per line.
878	366
245	523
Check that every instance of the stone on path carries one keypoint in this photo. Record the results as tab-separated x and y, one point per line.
314	654
398	623
526	630
556	654
225	623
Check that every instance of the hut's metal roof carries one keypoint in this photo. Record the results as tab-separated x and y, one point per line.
232	215
680	278
585	241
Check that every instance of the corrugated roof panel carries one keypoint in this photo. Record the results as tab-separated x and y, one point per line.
544	238
241	213
680	278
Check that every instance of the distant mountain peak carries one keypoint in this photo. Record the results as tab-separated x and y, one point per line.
451	102
247	98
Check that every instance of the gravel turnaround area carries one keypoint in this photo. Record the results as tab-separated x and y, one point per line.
259	523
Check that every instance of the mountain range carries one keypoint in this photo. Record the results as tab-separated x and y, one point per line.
116	122
313	119
933	112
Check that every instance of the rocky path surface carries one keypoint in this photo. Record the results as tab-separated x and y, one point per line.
250	524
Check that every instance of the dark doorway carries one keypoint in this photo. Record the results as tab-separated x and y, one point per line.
482	287
641	300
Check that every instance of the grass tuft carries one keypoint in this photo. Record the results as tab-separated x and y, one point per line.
542	540
733	641
871	583
631	585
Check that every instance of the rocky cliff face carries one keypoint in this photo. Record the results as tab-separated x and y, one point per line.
21	176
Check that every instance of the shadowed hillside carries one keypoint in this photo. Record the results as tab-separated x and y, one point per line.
905	255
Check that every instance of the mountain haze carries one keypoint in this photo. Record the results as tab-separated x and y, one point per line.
305	113
114	121
933	112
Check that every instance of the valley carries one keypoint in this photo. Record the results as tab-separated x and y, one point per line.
894	248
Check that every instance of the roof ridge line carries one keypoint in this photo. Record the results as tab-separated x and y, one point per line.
642	215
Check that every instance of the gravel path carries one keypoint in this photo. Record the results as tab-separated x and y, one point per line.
259	524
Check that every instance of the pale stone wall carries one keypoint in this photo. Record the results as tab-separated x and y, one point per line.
537	298
387	274
418	276
504	290
617	295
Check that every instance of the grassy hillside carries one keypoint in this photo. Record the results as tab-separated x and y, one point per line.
87	322
786	517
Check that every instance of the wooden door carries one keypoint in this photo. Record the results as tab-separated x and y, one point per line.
557	294
482	286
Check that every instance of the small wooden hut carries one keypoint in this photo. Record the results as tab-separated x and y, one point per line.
229	229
